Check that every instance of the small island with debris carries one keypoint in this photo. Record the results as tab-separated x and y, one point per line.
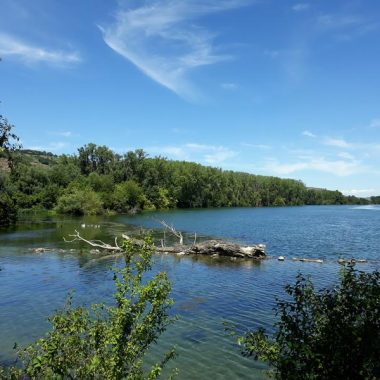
213	248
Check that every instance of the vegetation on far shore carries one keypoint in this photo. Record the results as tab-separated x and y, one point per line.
97	180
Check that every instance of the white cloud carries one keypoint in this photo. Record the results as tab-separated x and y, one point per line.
209	154
51	147
219	155
345	26
340	167
339	143
272	53
284	169
338	21
65	134
360	192
163	41
375	123
300	7
229	86
308	134
346	156
256	146
29	53
62	133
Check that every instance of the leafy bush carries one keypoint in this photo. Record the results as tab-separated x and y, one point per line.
328	334
128	196
80	202
8	207
105	342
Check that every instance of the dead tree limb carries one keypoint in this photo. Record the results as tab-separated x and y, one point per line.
172	230
94	243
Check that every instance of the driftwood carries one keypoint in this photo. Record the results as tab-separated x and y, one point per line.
220	248
172	230
209	247
95	243
307	260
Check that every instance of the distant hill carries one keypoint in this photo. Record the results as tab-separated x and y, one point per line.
98	180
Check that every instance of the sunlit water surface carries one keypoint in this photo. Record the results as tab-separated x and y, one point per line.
207	291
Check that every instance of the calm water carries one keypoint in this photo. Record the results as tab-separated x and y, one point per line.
207	291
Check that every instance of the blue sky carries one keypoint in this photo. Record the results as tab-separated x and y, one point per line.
282	88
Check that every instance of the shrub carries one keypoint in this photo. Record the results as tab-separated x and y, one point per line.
328	334
128	196
105	342
80	202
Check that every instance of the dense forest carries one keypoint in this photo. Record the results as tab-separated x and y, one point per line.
96	180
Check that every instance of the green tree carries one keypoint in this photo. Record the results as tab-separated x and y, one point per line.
9	142
328	334
106	342
8	208
79	201
128	196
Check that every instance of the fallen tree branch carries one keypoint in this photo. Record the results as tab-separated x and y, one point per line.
172	230
94	243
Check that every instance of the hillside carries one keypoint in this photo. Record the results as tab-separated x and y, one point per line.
98	180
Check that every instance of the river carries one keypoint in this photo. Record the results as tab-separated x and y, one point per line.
207	291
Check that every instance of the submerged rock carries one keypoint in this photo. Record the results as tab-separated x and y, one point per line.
304	260
351	261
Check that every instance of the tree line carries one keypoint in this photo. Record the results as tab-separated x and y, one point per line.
97	180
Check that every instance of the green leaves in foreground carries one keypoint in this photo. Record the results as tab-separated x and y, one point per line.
106	342
328	334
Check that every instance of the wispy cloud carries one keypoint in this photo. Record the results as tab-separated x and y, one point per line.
346	27
256	146
229	86
29	53
340	167
272	53
300	7
63	133
50	147
308	134
375	123
339	143
338	21
163	41
346	156
209	154
360	192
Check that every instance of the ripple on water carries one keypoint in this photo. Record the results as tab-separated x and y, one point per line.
207	291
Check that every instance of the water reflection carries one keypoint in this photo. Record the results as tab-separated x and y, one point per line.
207	290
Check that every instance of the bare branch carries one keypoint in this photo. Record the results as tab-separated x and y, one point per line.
172	230
94	243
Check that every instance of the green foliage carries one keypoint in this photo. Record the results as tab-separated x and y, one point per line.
106	342
9	142
93	158
79	201
128	196
8	208
327	334
134	182
279	201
